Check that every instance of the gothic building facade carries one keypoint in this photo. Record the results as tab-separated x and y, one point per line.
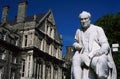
30	46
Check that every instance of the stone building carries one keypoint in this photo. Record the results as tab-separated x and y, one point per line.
68	62
9	53
30	46
69	53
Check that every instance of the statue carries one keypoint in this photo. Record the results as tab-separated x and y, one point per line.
92	57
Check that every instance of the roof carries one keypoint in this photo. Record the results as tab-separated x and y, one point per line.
38	17
28	18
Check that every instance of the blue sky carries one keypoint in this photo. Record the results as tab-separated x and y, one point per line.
65	13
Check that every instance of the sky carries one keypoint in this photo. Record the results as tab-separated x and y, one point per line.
65	13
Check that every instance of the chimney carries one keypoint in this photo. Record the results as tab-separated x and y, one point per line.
21	11
5	14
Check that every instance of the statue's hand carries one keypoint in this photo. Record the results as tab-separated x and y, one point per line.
77	46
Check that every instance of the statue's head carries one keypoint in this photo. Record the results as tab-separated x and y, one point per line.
85	19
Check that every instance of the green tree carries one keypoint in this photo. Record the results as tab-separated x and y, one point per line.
111	25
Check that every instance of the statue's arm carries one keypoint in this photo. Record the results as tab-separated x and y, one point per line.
103	42
76	45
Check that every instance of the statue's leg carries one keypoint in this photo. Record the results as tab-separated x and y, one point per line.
100	66
88	73
76	68
85	59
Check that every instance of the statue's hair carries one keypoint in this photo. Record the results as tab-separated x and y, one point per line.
84	13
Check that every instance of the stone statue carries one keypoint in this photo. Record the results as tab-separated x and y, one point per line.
92	57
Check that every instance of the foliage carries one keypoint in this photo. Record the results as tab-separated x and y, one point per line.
111	25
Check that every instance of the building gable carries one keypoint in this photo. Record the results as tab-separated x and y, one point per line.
47	25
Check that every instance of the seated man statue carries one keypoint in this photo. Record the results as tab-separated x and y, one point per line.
91	52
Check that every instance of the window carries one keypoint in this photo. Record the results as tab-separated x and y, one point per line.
50	49
12	41
57	53
48	72
48	30
42	44
28	68
14	59
16	41
3	55
52	33
26	40
47	47
56	74
30	39
4	37
23	67
29	57
0	35
1	73
12	75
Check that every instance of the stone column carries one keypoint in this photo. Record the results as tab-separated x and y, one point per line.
37	70
34	68
49	72
59	73
45	45
0	73
52	71
31	65
26	66
40	72
43	75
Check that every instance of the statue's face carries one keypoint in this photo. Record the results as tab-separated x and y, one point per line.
85	21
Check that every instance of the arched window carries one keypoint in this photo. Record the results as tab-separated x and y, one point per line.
23	67
25	40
